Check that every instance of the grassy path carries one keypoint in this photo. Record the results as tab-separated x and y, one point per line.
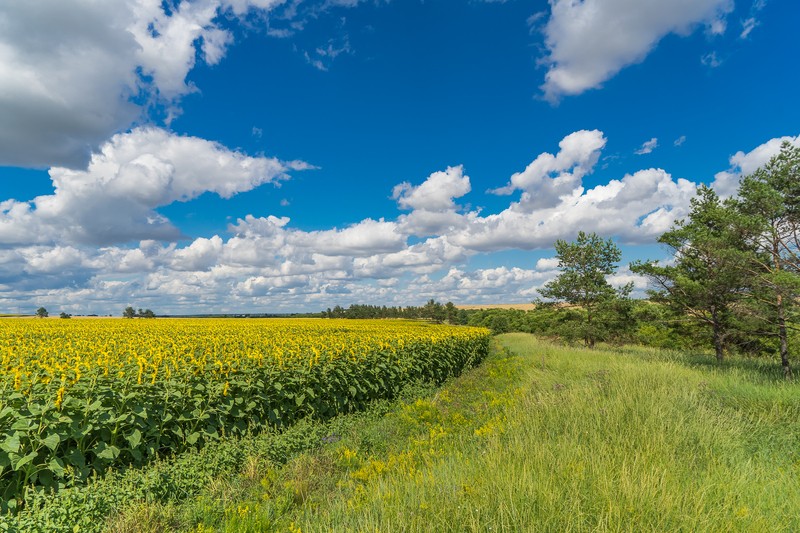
546	438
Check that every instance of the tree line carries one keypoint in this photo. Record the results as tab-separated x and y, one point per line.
130	312
432	310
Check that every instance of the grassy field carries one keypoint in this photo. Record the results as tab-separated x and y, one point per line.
539	438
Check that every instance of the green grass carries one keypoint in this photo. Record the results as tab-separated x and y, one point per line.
538	438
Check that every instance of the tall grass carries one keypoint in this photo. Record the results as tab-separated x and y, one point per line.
548	438
594	440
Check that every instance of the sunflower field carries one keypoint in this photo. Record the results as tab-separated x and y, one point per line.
78	397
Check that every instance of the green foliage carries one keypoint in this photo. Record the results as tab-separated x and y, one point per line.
42	312
50	440
770	222
643	322
181	477
554	439
539	435
616	321
584	265
432	310
706	279
736	268
661	326
506	320
130	312
450	313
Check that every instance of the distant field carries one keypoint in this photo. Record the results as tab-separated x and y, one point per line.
523	307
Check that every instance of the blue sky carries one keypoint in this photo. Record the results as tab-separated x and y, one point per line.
269	156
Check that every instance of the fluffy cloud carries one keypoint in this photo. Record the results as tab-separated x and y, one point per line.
114	199
502	284
483	286
727	182
369	249
37	268
436	193
265	263
72	72
425	257
366	238
549	176
432	203
589	41
555	205
201	255
547	263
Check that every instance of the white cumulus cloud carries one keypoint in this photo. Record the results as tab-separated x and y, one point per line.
547	263
266	263
432	203
114	199
636	208
436	193
589	41
548	177
73	72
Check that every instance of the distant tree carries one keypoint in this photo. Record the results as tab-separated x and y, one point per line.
433	310
42	312
64	315
499	323
584	265
705	279
129	312
617	318
450	313
147	313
